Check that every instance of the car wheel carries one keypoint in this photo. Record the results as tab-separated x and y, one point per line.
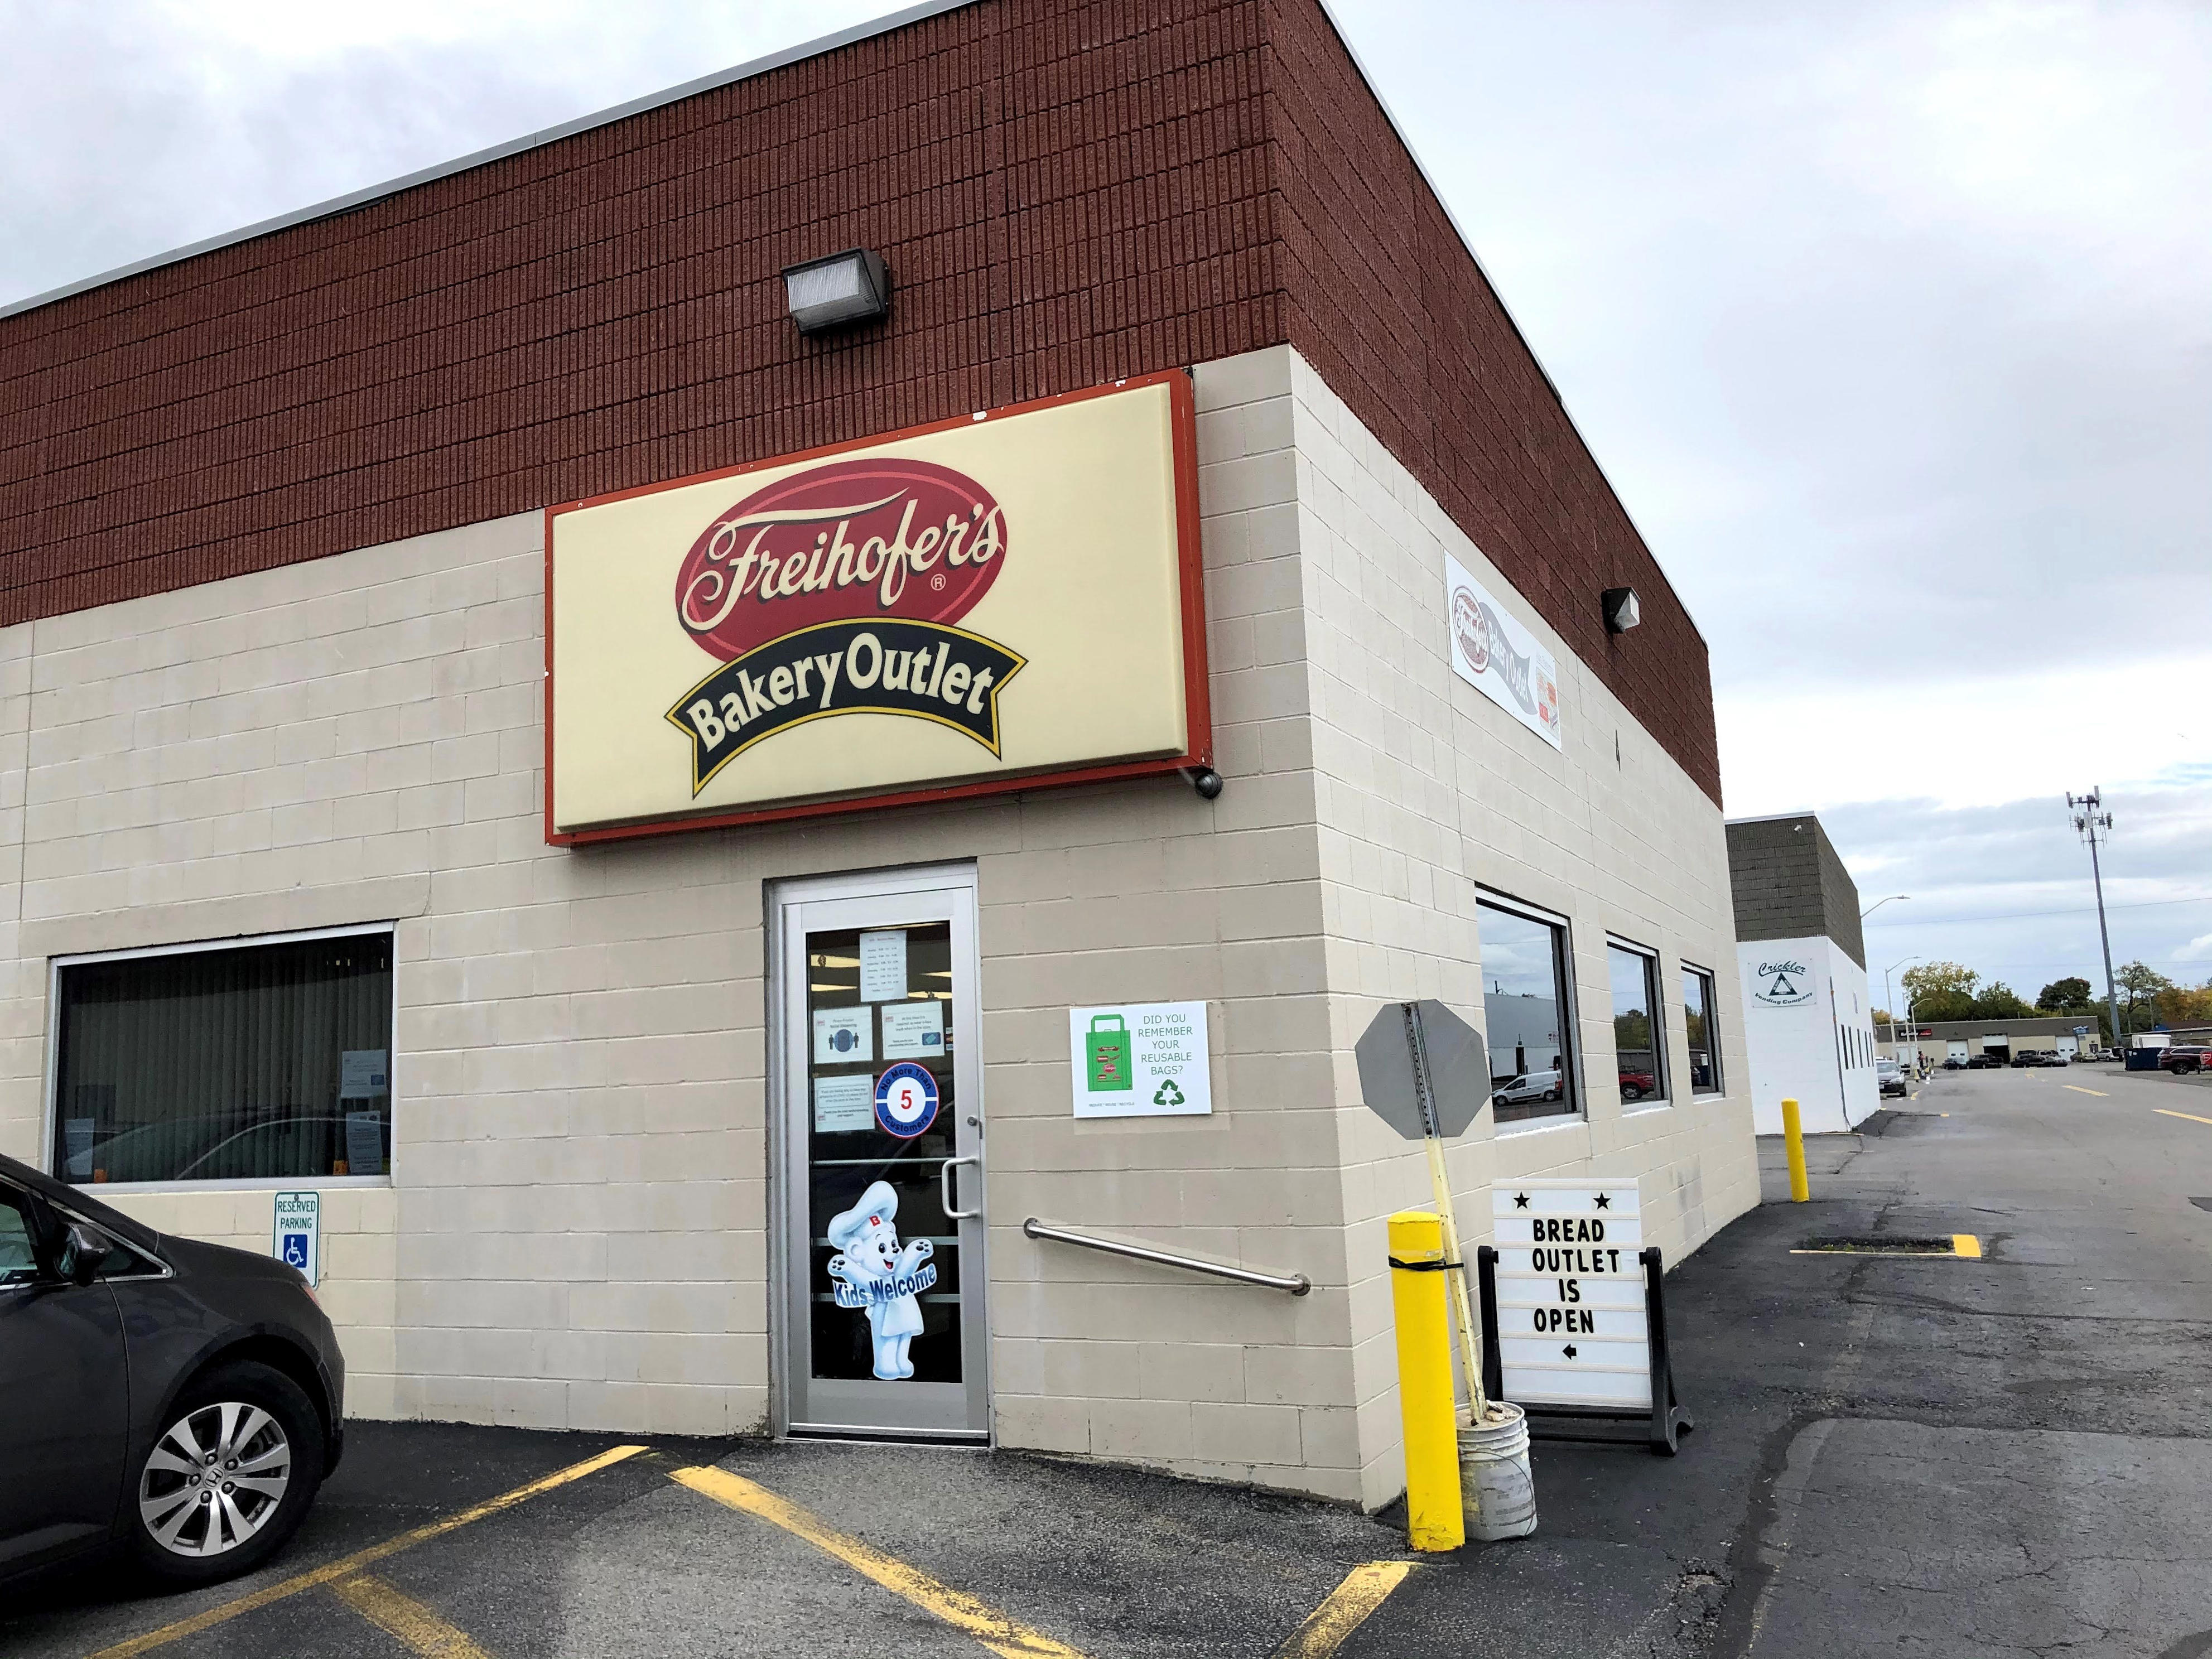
230	1477
1631	1093
1554	1094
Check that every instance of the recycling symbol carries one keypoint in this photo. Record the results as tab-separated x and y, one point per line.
1167	1094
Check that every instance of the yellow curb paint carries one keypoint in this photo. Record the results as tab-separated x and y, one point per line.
1365	1589
406	1621
1966	1244
2078	1090
2192	1117
993	1629
349	1566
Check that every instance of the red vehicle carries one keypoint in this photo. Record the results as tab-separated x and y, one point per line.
2185	1057
1634	1085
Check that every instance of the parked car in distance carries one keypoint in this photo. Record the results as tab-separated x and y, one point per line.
1530	1085
2182	1059
1983	1062
1954	1062
1634	1085
176	1402
2026	1057
1889	1078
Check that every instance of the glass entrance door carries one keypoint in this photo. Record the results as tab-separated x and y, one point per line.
879	1090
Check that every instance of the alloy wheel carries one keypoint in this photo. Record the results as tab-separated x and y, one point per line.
214	1478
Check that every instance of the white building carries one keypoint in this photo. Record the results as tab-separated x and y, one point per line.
1809	1020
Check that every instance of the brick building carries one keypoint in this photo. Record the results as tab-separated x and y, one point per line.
366	834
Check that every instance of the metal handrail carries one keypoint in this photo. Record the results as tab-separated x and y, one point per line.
1296	1283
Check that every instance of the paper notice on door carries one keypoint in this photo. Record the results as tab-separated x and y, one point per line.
843	1035
882	966
843	1104
914	1031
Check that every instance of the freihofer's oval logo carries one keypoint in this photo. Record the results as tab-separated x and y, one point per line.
835	591
853	538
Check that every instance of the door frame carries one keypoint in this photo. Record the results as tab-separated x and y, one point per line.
778	897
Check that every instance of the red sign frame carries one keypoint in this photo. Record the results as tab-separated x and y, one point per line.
1182	422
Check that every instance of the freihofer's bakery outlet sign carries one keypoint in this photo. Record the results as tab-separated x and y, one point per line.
1000	601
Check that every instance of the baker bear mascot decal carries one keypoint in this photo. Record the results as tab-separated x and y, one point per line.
873	1273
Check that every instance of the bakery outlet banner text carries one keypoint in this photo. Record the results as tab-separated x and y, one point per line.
1005	600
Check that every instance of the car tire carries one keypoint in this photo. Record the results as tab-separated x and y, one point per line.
1630	1092
1554	1094
262	1415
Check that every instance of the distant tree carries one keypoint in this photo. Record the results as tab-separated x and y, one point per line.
2186	1005
2066	996
1940	990
2140	985
1998	1000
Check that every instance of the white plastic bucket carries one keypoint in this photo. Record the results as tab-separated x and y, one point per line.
1497	1489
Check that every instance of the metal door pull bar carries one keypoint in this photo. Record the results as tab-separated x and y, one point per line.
1296	1283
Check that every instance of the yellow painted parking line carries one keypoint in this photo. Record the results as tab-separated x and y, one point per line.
406	1621
993	1629
1966	1244
2192	1117
347	1567
2078	1090
1365	1589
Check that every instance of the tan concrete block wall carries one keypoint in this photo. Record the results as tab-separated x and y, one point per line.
1427	792
575	1234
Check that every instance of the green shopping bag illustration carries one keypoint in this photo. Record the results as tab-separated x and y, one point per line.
1109	1053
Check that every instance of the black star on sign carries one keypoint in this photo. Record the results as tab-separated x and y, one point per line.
1569	1350
1520	1201
1605	1201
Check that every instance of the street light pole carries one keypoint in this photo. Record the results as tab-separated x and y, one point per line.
1879	902
2089	817
1889	1006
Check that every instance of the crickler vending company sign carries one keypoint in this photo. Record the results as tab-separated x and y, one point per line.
1005	600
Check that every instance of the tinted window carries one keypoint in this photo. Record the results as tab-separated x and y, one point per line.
1699	1009
1527	1012
1639	1033
262	1062
19	1254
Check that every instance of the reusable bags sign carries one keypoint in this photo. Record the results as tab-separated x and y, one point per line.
1140	1059
998	601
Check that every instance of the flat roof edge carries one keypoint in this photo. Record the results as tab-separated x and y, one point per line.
354	200
1496	293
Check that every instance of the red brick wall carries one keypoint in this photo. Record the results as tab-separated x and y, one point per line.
1066	193
1382	299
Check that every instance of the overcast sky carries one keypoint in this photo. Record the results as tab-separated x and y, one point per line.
1892	324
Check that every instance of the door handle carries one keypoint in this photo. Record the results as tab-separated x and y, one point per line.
947	1182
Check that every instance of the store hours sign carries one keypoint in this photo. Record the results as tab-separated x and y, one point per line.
1571	1323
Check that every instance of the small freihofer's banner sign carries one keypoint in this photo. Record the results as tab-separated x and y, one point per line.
1004	601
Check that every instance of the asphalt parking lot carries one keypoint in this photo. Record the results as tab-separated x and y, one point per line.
1894	1455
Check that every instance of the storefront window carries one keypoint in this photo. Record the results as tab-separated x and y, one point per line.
1528	1013
1639	1030
260	1062
1700	1008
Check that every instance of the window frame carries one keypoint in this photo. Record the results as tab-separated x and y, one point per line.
1662	1073
1574	1102
49	1154
1712	1032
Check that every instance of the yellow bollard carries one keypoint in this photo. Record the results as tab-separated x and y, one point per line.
1793	1136
1434	1519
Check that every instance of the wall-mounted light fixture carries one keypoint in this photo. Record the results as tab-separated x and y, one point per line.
838	290
1621	611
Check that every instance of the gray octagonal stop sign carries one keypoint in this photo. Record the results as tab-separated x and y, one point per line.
1454	1064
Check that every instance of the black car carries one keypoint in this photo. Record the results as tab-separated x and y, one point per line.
1956	1063
176	1402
